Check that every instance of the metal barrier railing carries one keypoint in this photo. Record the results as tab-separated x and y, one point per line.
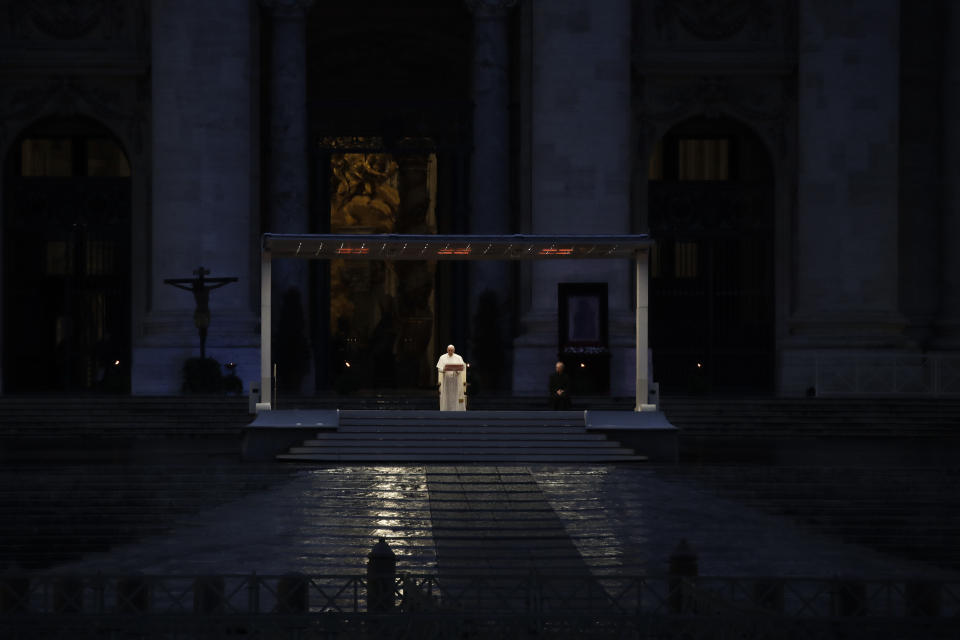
427	606
521	594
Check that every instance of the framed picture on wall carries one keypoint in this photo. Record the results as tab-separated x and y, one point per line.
582	308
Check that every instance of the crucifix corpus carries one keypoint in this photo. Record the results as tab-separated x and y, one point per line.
200	286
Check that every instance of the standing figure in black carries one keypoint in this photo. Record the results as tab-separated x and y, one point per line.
560	389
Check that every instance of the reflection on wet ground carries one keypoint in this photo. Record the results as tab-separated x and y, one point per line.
612	520
489	520
627	520
321	520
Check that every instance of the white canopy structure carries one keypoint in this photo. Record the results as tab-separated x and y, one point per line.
457	247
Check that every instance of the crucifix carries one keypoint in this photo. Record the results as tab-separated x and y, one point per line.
200	286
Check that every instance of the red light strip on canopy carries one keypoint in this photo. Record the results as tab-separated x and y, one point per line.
462	251
553	251
361	250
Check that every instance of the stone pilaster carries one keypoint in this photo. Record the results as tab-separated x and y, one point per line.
490	162
489	168
288	178
921	181
847	276
948	320
204	190
580	182
287	137
848	181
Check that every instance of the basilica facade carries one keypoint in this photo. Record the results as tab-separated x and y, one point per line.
792	159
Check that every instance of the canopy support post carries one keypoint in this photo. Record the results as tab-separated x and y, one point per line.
642	324
266	380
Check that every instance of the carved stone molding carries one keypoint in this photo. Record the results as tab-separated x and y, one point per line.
713	19
490	8
759	102
67	19
678	208
65	97
710	95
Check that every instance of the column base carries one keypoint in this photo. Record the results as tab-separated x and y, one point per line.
158	371
946	335
859	372
169	339
847	330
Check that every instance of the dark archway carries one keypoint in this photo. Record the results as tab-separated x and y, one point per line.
66	269
711	204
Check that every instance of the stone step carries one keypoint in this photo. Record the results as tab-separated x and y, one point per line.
474	436
463	424
789	420
775	413
532	421
465	430
456	416
463	437
815	430
845	409
44	419
453	456
477	450
401	443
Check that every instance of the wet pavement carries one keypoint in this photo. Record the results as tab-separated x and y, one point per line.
444	520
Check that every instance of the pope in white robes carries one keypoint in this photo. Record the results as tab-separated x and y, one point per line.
453	384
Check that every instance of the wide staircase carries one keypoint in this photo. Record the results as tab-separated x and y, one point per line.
472	436
739	417
54	417
64	428
798	431
714	428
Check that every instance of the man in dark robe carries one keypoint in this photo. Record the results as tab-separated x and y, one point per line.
560	389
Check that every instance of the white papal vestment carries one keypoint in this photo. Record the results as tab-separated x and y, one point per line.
453	384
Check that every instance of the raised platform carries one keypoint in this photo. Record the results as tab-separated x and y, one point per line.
274	432
469	436
647	431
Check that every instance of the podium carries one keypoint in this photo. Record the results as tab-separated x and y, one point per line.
453	381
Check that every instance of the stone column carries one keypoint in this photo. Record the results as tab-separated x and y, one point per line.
490	164
204	190
580	182
921	182
848	172
846	295
948	321
288	181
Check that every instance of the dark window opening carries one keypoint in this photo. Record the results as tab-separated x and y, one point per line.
66	268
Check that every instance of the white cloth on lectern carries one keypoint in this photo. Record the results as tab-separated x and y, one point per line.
453	384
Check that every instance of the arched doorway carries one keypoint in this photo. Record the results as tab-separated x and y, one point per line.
66	260
390	130
711	204
383	314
